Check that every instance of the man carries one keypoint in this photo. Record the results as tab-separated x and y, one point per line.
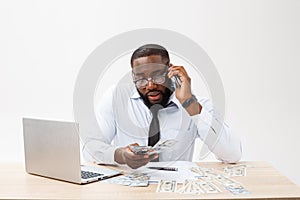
126	116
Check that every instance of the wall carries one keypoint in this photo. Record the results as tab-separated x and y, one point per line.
255	46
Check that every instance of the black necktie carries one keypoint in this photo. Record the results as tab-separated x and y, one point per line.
154	134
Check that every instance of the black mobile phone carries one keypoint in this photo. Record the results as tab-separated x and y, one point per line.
176	81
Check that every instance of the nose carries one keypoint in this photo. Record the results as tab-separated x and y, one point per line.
151	85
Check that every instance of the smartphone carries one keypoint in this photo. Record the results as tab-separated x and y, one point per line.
176	81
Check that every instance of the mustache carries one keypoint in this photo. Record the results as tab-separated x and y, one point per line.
154	91
166	95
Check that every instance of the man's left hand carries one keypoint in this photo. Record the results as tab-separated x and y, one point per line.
184	92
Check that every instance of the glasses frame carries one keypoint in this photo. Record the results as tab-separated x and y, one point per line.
151	78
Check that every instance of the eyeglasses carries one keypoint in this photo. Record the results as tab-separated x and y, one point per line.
157	79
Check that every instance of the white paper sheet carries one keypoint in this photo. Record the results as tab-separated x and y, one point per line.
184	171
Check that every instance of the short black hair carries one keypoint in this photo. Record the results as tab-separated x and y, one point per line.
151	49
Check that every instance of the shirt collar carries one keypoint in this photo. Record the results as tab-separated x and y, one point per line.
135	95
172	98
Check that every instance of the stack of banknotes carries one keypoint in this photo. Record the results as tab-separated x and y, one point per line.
156	149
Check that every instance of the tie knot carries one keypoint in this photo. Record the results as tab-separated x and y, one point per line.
155	108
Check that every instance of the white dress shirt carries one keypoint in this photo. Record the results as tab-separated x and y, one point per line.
124	119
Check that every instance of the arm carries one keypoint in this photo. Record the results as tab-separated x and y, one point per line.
97	145
217	135
214	132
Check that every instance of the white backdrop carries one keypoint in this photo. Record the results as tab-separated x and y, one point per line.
255	46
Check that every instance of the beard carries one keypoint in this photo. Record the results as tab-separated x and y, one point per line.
165	96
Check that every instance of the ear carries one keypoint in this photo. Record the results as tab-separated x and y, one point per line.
166	61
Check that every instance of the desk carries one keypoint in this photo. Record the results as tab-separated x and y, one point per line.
262	180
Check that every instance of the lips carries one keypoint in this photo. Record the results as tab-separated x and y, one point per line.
154	96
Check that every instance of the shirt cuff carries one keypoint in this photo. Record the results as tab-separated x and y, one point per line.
106	156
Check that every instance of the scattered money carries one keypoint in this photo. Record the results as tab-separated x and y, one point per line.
203	185
166	186
198	187
236	170
134	180
231	185
210	175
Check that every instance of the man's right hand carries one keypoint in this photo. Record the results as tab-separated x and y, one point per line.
124	155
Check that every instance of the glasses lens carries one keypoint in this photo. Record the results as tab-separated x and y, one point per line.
159	79
141	83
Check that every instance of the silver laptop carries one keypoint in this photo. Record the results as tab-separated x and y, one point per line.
52	149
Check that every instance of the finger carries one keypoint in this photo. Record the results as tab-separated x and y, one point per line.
136	164
136	158
175	73
154	156
132	156
175	67
134	144
146	159
180	68
140	162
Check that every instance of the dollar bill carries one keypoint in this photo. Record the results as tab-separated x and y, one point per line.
231	185
164	144
190	187
120	180
237	189
197	187
156	149
134	180
205	172
140	149
207	187
236	170
200	171
166	186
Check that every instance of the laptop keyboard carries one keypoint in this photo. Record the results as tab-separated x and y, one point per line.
87	175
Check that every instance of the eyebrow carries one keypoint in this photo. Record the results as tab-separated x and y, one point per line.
139	74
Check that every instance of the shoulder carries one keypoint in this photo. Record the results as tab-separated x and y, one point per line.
115	95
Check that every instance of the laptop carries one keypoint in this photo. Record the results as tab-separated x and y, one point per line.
52	149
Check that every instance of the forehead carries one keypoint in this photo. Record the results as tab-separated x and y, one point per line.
148	65
147	59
